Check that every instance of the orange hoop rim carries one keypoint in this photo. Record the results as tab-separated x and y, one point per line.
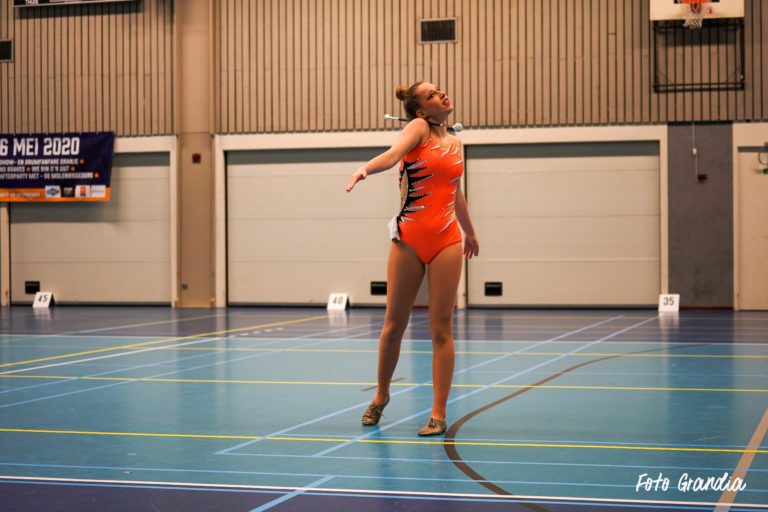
695	5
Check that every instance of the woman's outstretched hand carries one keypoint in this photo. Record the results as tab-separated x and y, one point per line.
471	246
359	175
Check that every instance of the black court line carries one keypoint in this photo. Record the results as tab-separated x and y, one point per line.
452	451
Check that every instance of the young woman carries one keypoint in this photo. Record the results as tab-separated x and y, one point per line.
426	239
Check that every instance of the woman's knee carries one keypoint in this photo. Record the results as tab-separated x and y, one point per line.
393	331
442	332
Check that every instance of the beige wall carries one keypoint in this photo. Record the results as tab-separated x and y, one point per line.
105	67
306	65
750	188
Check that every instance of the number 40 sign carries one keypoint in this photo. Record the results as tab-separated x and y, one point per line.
338	302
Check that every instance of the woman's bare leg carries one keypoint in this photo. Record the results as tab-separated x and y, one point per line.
405	271
444	275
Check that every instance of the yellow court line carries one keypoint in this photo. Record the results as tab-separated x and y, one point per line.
475	352
127	434
561	445
257	349
742	467
604	354
400	384
713	356
373	351
641	388
494	444
53	377
166	340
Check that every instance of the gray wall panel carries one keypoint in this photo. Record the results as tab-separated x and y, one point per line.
701	215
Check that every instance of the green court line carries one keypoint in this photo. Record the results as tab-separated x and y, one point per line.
493	444
366	384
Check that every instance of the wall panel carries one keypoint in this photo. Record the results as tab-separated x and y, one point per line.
298	65
566	223
88	68
334	64
346	233
115	252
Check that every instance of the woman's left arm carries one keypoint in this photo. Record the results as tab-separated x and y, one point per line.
471	244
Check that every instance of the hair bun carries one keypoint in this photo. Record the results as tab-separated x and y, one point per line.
401	91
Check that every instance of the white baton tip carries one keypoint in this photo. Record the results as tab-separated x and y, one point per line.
457	127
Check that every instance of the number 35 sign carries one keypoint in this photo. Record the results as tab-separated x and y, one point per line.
669	303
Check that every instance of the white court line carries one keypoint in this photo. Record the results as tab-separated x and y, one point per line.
22	337
117	327
242	337
52	335
306	336
406	390
177	321
484	388
164	347
291	495
618	343
457	496
86	360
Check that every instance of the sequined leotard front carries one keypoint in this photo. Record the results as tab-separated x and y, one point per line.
429	179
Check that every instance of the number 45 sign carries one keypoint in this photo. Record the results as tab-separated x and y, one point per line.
669	303
44	300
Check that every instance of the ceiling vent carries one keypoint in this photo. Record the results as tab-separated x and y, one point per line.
438	30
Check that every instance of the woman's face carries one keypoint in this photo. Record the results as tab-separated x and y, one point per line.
435	104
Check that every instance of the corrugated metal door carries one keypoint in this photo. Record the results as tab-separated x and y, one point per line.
294	235
115	252
565	224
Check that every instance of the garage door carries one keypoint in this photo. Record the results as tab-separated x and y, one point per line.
114	252
572	224
294	235
752	236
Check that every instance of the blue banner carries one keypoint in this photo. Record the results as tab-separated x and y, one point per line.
56	167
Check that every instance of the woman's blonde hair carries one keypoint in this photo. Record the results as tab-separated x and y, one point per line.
408	96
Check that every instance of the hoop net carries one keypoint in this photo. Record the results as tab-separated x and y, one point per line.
694	17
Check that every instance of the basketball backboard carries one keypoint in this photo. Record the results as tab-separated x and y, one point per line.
711	9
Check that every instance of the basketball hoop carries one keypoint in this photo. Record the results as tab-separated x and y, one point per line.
694	17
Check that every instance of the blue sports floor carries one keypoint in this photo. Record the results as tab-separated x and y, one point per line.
147	409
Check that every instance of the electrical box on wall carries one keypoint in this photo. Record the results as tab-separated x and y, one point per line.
438	31
6	51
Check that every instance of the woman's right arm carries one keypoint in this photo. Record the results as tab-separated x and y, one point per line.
412	134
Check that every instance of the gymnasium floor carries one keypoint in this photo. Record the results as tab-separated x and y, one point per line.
251	409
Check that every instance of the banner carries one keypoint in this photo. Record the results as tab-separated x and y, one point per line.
56	167
45	3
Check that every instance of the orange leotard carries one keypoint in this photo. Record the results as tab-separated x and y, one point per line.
429	179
